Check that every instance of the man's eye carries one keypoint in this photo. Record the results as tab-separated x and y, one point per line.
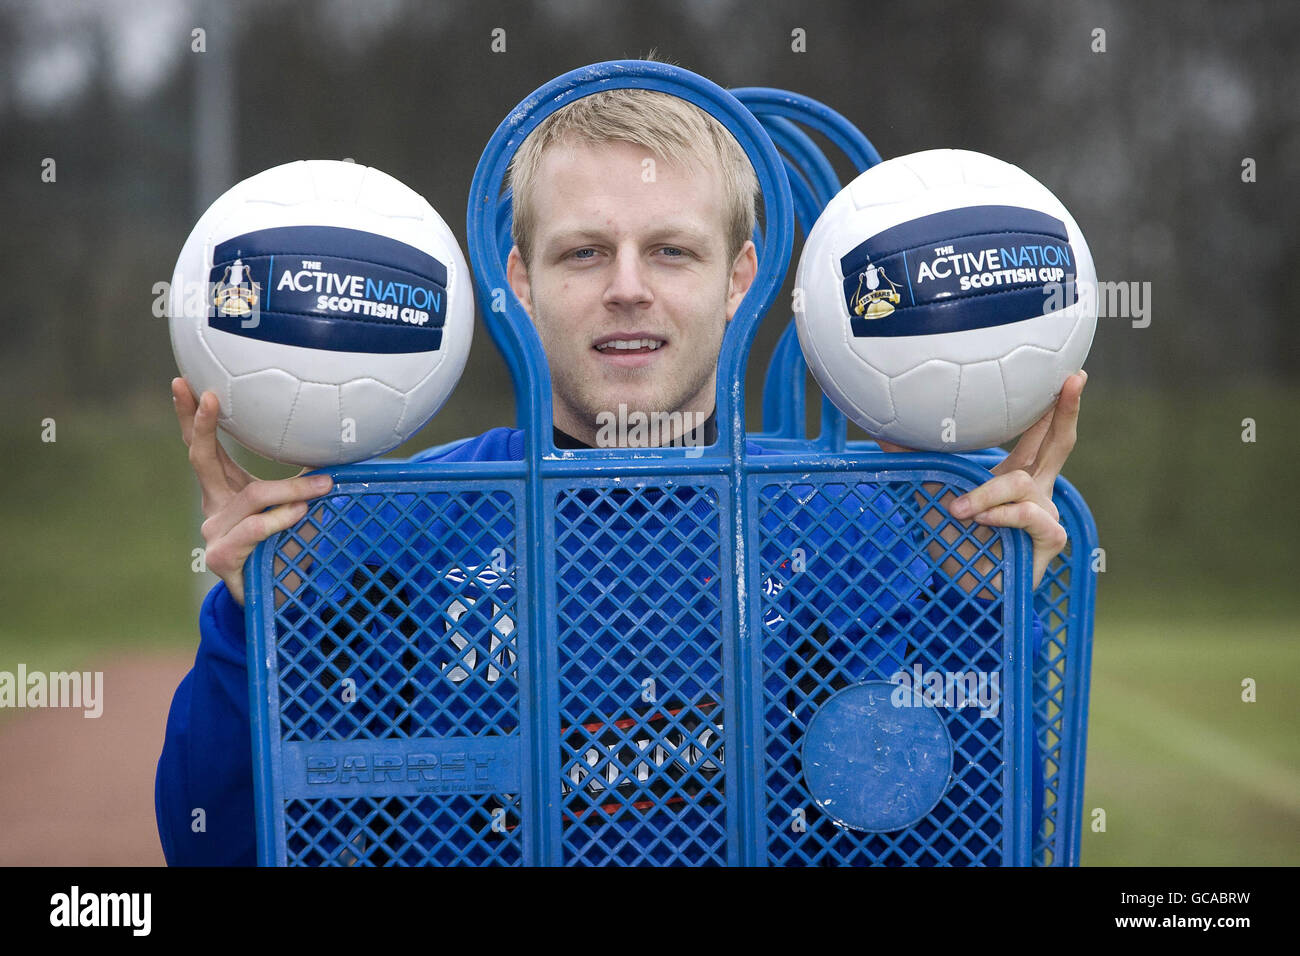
582	253
673	252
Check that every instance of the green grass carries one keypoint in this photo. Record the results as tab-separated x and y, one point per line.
1187	772
1185	509
99	526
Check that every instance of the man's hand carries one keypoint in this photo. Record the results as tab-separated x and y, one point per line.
234	502
1020	493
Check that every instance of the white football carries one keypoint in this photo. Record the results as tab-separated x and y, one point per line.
328	306
943	298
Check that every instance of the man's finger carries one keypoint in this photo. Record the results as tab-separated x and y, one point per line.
206	455
227	556
259	495
1049	536
1026	449
1012	486
236	476
255	529
1029	515
185	405
186	408
1062	435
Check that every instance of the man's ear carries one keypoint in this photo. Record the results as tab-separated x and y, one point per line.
517	276
743	271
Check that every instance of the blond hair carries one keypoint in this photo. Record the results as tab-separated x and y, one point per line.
666	125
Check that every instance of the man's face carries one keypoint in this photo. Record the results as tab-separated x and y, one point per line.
630	286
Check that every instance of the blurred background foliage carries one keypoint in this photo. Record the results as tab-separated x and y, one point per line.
1144	143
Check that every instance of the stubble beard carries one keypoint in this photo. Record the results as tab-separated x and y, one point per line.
587	401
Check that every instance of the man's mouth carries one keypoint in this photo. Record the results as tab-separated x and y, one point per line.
629	349
629	345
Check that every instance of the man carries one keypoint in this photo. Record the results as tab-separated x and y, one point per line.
633	212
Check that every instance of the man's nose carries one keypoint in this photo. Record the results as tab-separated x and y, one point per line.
628	282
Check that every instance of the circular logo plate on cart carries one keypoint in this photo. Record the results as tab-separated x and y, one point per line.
876	757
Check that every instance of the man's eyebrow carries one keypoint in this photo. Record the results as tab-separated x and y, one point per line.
666	232
670	231
567	236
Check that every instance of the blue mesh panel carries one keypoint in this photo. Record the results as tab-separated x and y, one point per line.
639	623
1064	600
397	644
398	719
403	831
862	608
